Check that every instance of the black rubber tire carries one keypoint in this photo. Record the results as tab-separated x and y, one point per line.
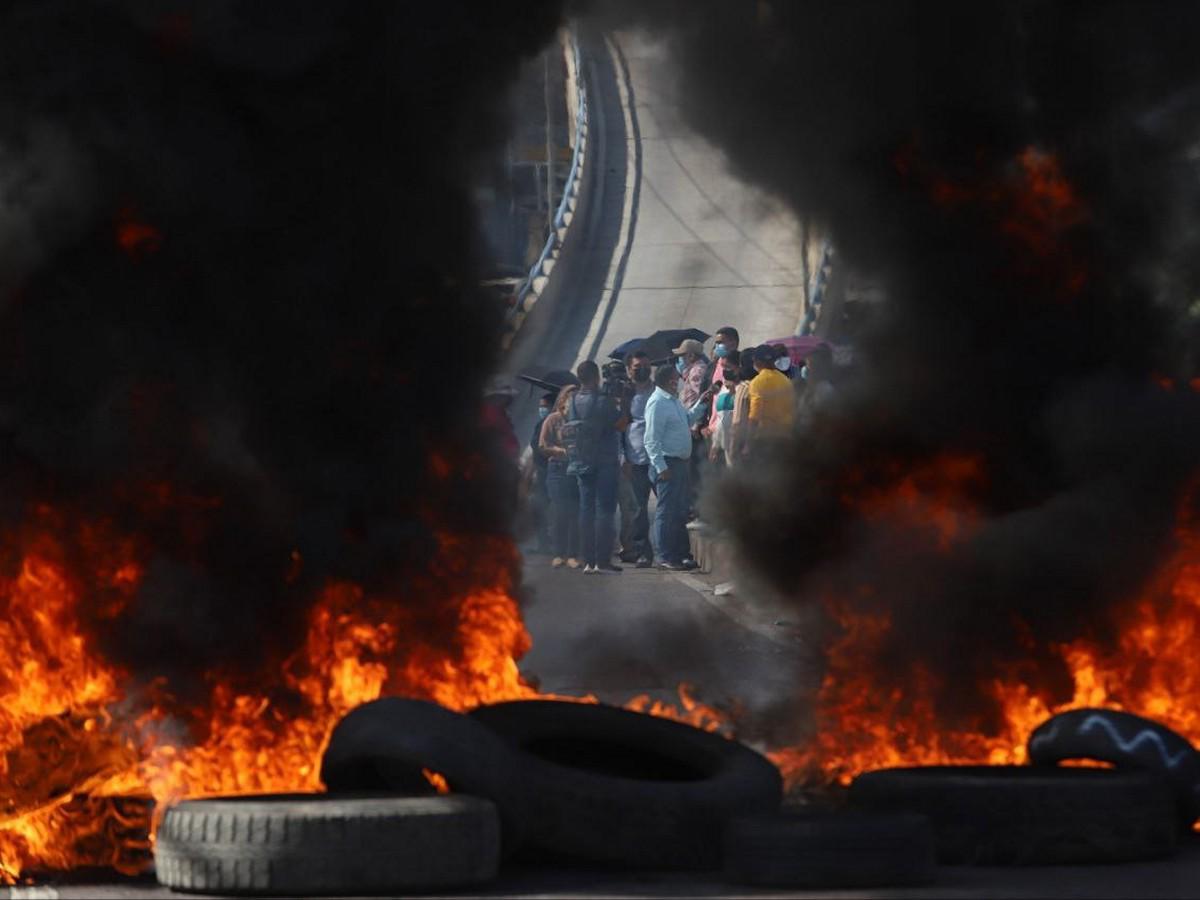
304	844
1029	815
384	745
616	786
830	850
1124	740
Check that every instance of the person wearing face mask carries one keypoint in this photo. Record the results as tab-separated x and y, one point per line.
772	403
637	461
726	342
739	422
669	447
783	362
720	450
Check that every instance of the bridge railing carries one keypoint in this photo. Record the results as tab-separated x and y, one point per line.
531	287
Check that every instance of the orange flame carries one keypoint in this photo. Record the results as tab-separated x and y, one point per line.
1030	202
866	721
73	748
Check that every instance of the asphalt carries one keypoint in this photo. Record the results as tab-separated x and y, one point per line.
1178	877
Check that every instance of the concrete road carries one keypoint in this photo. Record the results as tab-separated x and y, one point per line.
1175	878
700	247
664	236
645	631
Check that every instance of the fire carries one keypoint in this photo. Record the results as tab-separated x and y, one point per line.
135	237
80	743
866	721
1027	200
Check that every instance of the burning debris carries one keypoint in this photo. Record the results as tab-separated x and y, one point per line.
233	244
998	517
224	521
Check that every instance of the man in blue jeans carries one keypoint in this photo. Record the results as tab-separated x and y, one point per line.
595	422
668	443
637	463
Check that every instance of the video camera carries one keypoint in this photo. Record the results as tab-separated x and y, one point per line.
615	377
616	383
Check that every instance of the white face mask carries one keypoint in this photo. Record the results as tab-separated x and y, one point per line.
783	363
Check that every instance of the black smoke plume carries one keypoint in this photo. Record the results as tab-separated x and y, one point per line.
1036	347
238	304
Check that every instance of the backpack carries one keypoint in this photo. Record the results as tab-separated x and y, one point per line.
581	437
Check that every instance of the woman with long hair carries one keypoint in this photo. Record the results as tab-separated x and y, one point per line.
564	494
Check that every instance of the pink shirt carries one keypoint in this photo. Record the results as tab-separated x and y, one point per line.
691	385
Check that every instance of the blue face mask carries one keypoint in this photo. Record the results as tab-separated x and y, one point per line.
679	365
543	411
721	351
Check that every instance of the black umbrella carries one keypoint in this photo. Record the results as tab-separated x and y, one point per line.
660	344
546	378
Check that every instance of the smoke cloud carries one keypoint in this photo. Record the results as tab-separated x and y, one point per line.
1005	469
238	304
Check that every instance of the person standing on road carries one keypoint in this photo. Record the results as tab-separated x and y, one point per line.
592	436
637	461
783	362
692	367
694	380
721	433
740	420
564	495
772	403
539	494
725	352
668	444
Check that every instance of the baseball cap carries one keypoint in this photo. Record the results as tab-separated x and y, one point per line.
688	346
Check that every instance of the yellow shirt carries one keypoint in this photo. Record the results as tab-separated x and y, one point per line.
772	401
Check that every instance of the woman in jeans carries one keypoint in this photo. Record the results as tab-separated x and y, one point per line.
564	493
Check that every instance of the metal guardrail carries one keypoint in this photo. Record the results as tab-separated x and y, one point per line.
570	192
816	291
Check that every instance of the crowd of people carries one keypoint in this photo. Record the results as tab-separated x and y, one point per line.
604	446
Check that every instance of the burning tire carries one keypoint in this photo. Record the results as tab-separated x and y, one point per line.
1027	815
384	745
612	785
303	844
830	850
1125	740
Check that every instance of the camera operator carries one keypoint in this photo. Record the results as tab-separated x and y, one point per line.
594	425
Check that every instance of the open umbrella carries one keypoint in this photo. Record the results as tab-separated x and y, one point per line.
546	378
799	346
660	344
